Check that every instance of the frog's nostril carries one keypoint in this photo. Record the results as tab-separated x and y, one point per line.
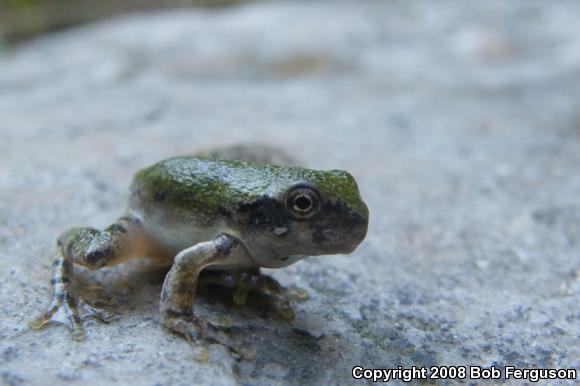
358	220
360	228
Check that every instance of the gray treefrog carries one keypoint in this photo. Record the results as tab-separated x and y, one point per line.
198	213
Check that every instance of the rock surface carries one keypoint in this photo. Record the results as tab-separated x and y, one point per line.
460	122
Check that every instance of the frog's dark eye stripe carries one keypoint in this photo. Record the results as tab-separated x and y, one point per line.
302	202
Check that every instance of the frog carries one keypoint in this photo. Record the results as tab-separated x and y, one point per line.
198	213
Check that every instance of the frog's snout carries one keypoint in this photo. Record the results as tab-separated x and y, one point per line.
344	233
360	224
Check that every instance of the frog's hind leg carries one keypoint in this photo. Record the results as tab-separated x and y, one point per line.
267	286
92	249
252	280
180	284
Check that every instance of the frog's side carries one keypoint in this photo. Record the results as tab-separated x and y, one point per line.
197	213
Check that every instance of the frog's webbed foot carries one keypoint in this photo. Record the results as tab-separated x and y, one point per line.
199	332
64	306
73	309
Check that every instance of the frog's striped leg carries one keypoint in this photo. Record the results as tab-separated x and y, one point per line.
180	284
93	249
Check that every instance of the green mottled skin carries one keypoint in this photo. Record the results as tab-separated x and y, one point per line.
202	185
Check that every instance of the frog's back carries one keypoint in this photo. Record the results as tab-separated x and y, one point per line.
185	200
200	185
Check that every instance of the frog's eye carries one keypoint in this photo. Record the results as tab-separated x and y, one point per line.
302	202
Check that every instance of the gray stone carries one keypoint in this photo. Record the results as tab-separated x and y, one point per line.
460	123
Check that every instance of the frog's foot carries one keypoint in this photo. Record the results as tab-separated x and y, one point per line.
255	281
70	306
198	332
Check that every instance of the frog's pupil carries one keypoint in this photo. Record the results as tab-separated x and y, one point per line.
303	203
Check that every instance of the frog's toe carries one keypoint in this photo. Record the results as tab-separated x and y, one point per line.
198	332
42	320
194	329
96	312
219	335
187	325
297	294
77	332
284	310
241	294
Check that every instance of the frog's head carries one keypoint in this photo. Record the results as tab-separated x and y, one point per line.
320	213
327	213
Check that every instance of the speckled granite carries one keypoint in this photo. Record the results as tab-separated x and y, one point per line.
460	122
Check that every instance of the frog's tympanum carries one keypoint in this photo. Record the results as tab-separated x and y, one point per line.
199	213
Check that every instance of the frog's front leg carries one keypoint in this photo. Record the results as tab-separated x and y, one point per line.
180	284
93	249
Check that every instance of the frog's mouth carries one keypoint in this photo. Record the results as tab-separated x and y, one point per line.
341	232
291	258
281	261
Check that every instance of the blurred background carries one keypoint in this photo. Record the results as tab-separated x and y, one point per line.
24	19
459	120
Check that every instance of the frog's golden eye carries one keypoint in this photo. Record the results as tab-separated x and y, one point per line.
302	202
